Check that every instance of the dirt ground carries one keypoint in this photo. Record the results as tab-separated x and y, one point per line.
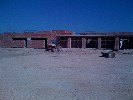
72	74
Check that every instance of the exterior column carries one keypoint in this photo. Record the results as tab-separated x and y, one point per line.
84	43
99	43
69	43
116	47
28	44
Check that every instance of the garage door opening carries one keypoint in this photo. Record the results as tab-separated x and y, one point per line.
29	43
38	43
19	42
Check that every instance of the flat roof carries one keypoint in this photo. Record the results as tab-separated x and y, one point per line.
99	35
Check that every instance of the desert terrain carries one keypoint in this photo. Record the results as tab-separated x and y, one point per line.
72	74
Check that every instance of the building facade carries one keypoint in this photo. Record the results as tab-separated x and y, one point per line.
93	40
68	39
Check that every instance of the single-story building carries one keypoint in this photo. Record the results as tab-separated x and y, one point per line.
68	39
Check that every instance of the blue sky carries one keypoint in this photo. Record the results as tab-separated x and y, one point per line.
75	15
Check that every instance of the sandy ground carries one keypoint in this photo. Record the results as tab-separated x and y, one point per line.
72	74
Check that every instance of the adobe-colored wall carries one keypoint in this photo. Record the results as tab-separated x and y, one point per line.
1	40
36	44
6	40
18	44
